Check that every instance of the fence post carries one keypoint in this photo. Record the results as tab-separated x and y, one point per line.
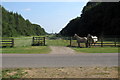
70	41
12	42
115	42
33	40
44	41
101	41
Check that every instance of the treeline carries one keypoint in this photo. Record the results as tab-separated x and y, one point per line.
97	19
13	24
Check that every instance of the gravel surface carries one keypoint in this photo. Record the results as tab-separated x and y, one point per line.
61	50
73	72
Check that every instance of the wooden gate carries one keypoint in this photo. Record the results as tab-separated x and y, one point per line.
38	41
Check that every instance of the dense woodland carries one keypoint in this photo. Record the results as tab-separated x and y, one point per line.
97	19
13	24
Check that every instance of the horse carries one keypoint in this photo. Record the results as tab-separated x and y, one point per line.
92	39
81	40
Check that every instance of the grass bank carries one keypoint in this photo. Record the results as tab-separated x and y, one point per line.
27	50
97	50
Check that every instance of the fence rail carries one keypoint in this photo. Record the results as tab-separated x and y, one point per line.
106	44
7	42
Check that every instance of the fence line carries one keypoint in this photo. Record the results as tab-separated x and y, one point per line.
102	42
7	42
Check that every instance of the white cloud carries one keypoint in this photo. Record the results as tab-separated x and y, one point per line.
27	9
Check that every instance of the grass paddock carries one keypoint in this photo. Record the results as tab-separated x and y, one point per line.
57	42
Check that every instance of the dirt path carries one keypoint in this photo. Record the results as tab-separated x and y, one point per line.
73	72
61	50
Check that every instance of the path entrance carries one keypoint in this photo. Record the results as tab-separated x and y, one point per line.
61	50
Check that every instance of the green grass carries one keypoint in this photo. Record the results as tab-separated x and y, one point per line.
23	41
97	50
27	50
57	42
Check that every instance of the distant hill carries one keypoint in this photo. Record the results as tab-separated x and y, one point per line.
13	24
96	19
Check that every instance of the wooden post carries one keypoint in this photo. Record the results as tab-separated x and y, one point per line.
115	42
70	41
101	41
12	42
44	40
33	40
87	44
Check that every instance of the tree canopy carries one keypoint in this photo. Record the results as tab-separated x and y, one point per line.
97	18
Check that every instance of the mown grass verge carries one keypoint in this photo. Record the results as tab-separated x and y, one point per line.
97	50
27	50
